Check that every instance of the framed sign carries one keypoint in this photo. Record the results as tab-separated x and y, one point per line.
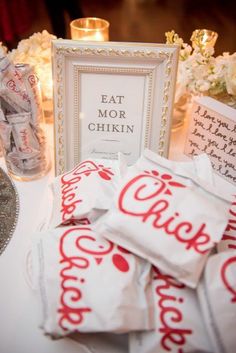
111	97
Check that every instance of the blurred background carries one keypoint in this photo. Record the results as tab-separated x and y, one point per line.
130	20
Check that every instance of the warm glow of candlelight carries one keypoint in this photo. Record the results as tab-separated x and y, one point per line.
90	29
204	38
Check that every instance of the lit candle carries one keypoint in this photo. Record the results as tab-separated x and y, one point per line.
90	28
204	38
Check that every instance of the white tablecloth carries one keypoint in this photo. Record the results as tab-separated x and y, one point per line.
19	317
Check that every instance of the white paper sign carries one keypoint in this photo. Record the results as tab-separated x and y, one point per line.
212	129
115	120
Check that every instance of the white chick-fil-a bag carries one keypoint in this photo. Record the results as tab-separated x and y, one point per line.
85	192
228	241
87	284
167	215
217	294
178	320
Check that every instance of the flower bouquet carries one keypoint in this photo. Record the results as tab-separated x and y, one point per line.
201	73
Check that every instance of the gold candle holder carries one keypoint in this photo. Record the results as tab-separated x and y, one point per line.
90	29
203	39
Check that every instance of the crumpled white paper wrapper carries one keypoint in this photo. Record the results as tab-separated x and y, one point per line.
85	192
166	214
88	284
179	323
217	295
228	242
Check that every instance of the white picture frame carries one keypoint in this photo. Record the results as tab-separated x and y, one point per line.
111	97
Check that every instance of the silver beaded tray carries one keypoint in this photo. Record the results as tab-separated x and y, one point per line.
9	209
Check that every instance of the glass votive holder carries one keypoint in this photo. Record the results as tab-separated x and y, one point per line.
180	112
27	157
204	38
23	134
90	29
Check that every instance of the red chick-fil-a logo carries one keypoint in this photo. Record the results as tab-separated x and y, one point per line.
35	89
70	182
230	231
151	192
172	337
228	275
25	143
33	80
79	249
11	84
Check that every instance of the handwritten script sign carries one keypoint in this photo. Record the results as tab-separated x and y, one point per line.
215	134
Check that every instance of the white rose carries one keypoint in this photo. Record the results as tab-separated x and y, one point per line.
230	75
3	48
203	86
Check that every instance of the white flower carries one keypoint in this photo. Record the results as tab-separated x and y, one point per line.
200	73
230	75
203	86
3	48
185	52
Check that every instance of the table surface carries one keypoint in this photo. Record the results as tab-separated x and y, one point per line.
19	331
